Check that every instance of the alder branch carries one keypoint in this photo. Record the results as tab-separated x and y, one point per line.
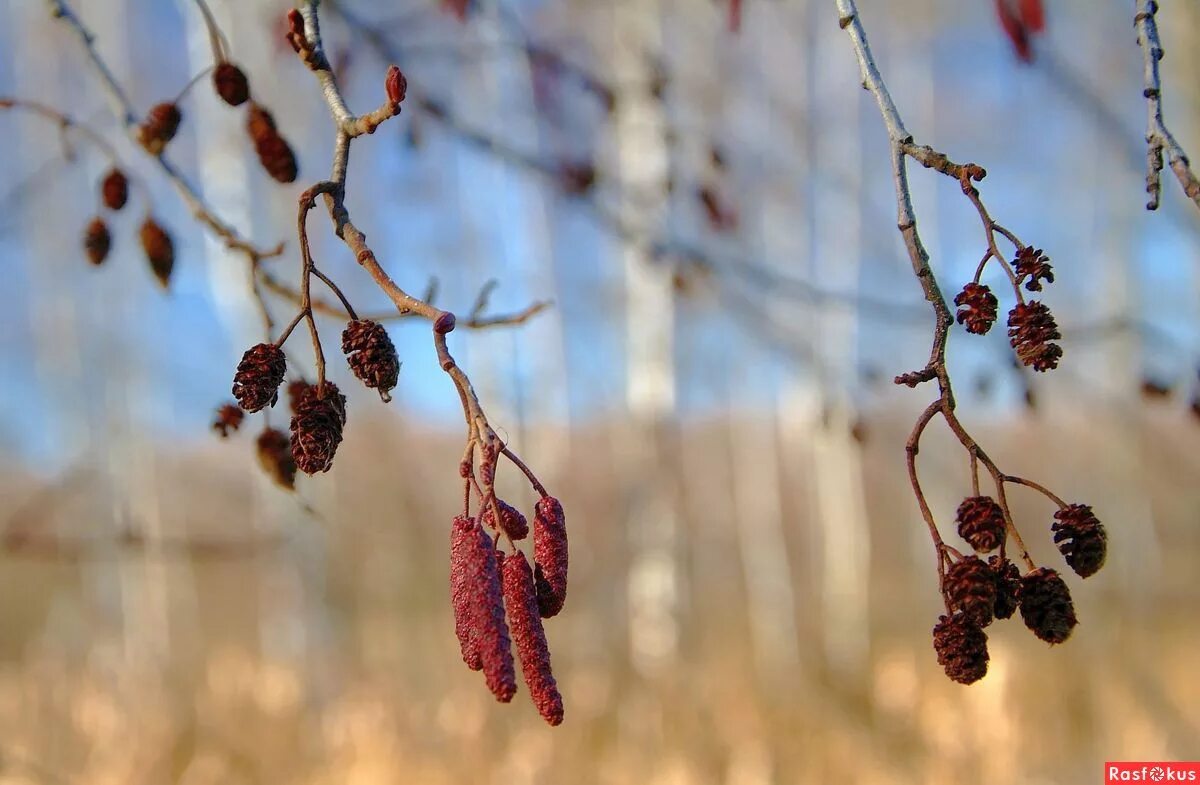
1159	139
902	148
305	37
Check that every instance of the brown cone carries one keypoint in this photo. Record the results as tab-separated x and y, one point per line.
159	127
977	308
981	523
258	376
230	83
1031	328
961	647
275	457
228	418
114	189
1008	586
97	241
1046	605
1081	538
159	250
317	428
1032	266
970	588
525	623
371	355
277	158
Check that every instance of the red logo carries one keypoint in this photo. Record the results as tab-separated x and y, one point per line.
1151	771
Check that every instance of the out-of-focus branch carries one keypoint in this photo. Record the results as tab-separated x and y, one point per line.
1159	139
903	147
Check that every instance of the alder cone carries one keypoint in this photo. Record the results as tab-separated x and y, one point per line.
258	376
525	622
228	418
371	355
277	158
463	550
114	189
1033	265
1031	328
97	241
981	523
970	587
159	127
296	390
512	522
1081	539
978	308
317	428
259	123
961	647
1008	587
159	250
230	83
275	457
550	555
1046	605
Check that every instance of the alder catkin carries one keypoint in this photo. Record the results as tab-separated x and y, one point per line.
550	555
488	621
512	522
463	548
525	622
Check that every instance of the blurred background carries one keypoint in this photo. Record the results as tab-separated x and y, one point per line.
712	214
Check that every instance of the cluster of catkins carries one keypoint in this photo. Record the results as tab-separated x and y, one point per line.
156	243
976	592
499	601
1031	327
318	410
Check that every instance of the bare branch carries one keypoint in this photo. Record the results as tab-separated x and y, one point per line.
1159	139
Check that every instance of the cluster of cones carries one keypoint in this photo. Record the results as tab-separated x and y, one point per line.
318	410
156	243
1031	327
977	592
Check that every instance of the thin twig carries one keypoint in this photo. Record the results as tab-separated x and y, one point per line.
1159	139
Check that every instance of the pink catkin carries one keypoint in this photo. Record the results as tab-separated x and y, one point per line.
521	599
488	626
550	555
462	549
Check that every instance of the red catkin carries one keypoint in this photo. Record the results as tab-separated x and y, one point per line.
520	597
488	624
462	548
550	555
